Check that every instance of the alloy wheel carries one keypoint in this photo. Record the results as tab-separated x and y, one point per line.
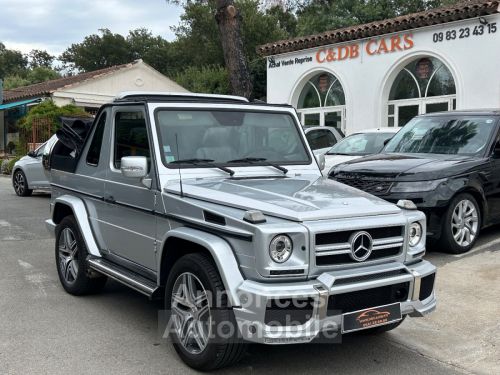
464	223
19	183
191	313
68	255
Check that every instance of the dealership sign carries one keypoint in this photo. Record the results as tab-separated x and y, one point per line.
371	47
351	51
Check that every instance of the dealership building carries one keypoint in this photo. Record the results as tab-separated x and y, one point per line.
384	73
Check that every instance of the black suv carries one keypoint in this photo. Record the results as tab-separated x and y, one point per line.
448	164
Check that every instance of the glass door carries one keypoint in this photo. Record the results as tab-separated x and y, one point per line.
332	116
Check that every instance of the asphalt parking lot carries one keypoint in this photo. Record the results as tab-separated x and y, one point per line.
43	330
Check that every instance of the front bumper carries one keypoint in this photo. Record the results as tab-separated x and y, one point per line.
254	297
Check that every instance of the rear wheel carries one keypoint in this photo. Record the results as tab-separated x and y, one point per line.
20	184
202	324
71	254
462	224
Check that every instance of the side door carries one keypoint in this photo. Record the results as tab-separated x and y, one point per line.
130	221
34	169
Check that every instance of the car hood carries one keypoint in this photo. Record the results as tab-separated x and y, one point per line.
408	167
332	160
299	199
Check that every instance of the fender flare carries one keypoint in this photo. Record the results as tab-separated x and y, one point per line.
220	251
80	212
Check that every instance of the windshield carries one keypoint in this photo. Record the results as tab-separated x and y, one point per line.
361	144
443	135
228	137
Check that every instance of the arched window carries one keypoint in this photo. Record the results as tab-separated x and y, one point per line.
322	101
425	85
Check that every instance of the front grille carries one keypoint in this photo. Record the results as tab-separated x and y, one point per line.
346	258
334	248
288	311
375	187
363	299
426	286
343	236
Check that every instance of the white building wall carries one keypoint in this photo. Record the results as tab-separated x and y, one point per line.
97	91
474	61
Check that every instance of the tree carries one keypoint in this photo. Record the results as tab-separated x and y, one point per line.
207	79
38	58
315	16
154	50
97	52
228	19
199	44
11	62
42	74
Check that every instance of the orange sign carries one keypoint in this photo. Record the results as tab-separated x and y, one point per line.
372	47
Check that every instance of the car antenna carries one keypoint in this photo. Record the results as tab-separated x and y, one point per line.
179	156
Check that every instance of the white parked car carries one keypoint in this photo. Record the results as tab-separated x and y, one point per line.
28	173
357	145
322	138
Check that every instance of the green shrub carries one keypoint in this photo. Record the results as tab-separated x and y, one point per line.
7	165
49	110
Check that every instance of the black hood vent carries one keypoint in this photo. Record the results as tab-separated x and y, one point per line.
210	217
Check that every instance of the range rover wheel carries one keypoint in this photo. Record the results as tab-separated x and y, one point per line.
462	224
71	254
20	184
201	325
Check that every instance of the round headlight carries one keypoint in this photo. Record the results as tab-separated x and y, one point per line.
415	234
280	248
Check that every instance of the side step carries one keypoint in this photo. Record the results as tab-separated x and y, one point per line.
124	276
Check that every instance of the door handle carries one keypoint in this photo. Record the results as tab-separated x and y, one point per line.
109	199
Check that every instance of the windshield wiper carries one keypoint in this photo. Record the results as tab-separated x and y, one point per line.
203	162
259	160
338	153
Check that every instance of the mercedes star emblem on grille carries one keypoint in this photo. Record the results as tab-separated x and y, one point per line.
361	246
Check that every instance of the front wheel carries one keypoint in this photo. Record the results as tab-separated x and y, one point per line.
71	260
462	223
202	324
20	184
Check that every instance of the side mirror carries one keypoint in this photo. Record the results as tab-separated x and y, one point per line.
321	161
32	154
134	166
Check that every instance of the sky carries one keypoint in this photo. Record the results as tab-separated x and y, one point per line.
53	25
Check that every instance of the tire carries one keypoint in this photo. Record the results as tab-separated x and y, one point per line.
469	223
202	348
20	184
71	254
381	329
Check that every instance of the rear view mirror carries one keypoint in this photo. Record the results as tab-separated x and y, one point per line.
134	166
32	154
321	161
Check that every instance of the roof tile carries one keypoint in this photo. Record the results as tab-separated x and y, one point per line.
48	87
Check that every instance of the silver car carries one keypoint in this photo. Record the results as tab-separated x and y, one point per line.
28	173
217	206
